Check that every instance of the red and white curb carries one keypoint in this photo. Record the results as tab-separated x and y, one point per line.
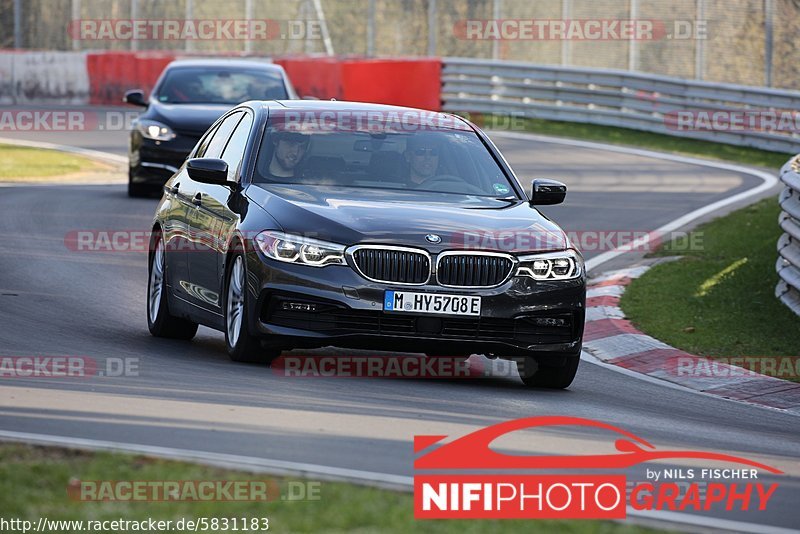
612	339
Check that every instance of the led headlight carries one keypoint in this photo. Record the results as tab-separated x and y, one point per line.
303	250
563	265
155	130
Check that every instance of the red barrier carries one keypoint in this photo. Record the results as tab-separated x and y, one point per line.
414	83
402	82
113	73
319	77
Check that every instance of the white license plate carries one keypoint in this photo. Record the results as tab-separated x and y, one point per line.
410	302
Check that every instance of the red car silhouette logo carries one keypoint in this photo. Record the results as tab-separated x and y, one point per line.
474	451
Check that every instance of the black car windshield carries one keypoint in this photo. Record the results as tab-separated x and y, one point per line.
196	85
379	154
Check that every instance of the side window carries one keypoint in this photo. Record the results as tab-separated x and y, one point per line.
234	152
221	136
201	149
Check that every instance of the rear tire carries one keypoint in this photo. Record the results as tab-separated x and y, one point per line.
241	344
138	190
535	374
160	321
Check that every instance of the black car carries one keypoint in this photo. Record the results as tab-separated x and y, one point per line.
187	98
297	225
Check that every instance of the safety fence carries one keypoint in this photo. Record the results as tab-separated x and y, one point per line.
788	265
740	115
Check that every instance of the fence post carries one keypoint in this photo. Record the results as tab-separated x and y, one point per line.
76	15
768	6
17	24
497	8
134	18
432	27
189	15
566	10
699	44
248	15
371	29
633	49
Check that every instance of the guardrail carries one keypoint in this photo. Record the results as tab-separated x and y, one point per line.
620	98
788	265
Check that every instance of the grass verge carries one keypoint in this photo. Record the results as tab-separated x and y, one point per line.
648	140
34	480
719	300
19	163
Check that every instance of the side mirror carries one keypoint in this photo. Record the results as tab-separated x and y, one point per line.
135	97
208	171
545	192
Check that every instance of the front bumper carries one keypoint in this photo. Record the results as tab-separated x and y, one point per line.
349	313
154	162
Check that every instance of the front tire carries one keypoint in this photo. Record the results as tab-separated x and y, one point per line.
546	373
241	344
159	320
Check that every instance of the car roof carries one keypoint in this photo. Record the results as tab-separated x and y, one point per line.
225	63
343	105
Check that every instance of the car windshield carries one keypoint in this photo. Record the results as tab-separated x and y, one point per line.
382	154
195	85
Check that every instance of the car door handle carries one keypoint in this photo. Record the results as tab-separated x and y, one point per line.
174	189
198	199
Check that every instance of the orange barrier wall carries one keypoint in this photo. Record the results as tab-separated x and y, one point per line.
113	73
402	82
319	77
414	83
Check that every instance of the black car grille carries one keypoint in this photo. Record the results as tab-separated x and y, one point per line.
341	322
391	265
470	270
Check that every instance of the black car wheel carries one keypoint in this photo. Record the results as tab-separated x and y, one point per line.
242	345
159	320
136	190
548	373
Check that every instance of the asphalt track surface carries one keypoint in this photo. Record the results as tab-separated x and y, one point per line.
187	395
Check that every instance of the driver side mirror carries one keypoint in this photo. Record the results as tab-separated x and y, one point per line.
208	171
546	192
135	97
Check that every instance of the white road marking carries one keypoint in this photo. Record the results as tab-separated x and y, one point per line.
768	181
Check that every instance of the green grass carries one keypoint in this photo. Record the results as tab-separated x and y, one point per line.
654	141
33	482
18	162
719	301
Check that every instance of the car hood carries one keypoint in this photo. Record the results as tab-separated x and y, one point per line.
353	215
192	119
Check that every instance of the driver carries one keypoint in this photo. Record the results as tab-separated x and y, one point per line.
422	156
289	149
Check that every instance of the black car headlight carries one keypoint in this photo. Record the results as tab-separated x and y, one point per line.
155	130
297	249
563	265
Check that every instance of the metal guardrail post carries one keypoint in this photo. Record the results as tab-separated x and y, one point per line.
788	264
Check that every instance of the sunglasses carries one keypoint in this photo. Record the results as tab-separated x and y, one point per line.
433	152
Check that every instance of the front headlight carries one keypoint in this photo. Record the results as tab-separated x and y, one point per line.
297	249
563	265
155	130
